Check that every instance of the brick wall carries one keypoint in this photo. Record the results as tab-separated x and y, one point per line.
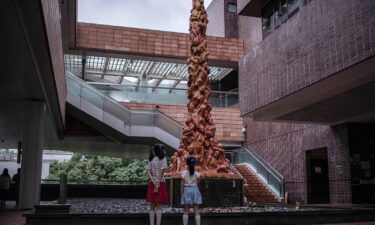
249	30
227	120
283	145
52	17
324	37
152	42
230	19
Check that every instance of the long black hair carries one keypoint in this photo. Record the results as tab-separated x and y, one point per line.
157	151
191	161
5	173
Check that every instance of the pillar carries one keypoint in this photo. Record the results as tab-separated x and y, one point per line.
31	166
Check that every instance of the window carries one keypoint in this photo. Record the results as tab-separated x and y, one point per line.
276	12
232	8
267	19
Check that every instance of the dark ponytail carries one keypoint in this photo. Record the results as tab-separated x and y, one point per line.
157	150
191	161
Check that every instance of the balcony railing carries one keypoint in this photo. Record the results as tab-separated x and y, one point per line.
163	95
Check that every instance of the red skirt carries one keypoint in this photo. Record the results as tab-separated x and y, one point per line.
159	197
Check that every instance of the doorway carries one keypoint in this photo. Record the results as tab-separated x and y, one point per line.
317	176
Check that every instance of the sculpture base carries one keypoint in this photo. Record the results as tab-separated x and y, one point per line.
216	192
52	208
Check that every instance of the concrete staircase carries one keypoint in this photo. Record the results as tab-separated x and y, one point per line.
255	190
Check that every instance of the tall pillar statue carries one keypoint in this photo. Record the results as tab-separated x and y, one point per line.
198	137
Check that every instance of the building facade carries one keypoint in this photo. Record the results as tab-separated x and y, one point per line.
306	86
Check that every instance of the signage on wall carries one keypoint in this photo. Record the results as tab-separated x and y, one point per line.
318	169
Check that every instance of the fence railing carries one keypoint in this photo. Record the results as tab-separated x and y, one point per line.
98	182
163	95
274	179
113	108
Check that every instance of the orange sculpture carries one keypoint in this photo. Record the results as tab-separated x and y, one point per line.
198	137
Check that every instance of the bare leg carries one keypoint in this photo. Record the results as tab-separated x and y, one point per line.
159	213
185	217
197	215
152	213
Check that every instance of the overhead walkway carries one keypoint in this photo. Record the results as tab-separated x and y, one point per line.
120	123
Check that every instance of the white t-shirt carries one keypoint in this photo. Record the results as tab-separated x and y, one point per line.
156	166
190	180
4	182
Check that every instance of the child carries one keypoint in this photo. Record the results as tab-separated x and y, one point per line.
190	191
157	189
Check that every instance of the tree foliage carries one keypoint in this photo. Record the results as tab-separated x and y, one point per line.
83	168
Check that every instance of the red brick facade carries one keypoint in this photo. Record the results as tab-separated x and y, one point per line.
324	37
255	190
227	120
152	42
284	146
51	18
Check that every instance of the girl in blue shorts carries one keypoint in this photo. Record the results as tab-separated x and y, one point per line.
191	196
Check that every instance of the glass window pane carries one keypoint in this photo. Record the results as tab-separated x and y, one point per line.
232	8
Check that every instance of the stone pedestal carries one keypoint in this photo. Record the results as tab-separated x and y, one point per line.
216	192
52	208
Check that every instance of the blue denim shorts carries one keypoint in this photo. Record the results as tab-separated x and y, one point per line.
191	196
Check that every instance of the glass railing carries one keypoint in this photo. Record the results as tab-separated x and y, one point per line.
160	95
274	179
112	108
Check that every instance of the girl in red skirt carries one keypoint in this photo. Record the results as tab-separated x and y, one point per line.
157	189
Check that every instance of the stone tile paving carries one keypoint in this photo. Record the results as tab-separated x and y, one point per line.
135	206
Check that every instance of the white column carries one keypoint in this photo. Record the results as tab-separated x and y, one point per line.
32	146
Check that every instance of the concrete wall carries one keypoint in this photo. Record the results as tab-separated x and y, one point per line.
216	24
222	23
227	120
152	42
324	37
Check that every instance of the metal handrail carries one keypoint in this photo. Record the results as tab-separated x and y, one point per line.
231	92
234	169
70	75
131	112
269	168
273	178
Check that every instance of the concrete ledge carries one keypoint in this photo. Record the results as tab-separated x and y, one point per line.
52	208
322	215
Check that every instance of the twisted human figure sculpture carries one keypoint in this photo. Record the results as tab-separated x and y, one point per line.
198	137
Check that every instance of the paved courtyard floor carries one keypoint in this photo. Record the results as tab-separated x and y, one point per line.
10	215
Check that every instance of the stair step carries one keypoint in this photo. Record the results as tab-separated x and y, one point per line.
256	191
